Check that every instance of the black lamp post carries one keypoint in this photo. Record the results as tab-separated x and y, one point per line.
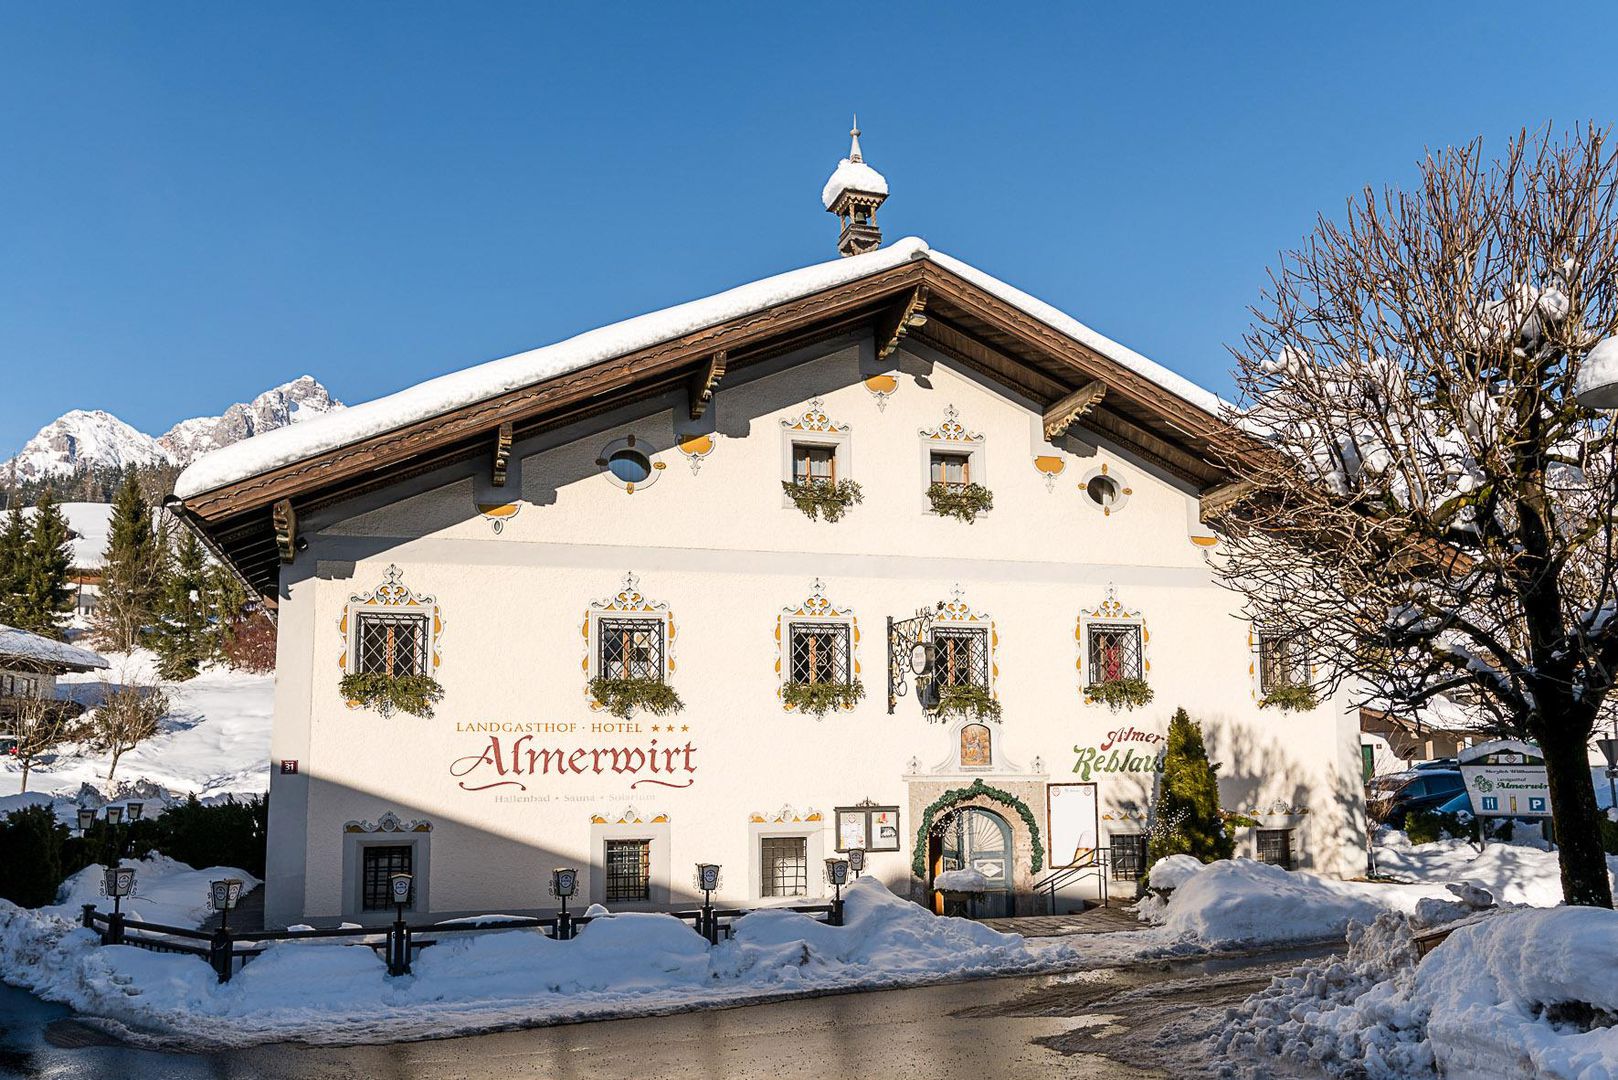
400	885
837	875
223	894
564	882
136	809
707	880
87	820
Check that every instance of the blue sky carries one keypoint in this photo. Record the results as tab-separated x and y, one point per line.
202	200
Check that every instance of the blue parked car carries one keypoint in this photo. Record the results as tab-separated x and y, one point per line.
1390	798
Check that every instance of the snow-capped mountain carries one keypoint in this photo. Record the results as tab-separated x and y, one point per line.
84	437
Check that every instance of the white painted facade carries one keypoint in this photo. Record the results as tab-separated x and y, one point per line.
726	562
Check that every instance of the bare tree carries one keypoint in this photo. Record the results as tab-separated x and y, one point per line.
127	716
41	725
1435	512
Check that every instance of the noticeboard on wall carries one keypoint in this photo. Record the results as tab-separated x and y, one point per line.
1073	823
874	828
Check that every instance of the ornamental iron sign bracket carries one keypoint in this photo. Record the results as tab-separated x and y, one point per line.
910	653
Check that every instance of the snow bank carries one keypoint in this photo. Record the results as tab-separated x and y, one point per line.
1520	872
1174	871
967	881
166	892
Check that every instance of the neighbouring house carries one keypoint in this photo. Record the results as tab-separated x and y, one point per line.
910	547
29	665
1408	739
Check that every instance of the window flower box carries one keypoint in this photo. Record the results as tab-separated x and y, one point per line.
1290	697
963	502
387	694
1124	693
969	700
831	498
819	698
622	697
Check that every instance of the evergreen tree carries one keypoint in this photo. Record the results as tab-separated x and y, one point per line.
131	582
224	599
184	639
1188	799
41	593
13	550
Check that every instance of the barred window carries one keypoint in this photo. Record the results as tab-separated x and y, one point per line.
785	862
1283	660
961	656
379	864
1114	652
630	648
812	462
629	870
1275	847
820	653
391	644
952	469
1128	856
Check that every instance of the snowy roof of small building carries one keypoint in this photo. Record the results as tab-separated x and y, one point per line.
285	446
90	524
852	176
20	644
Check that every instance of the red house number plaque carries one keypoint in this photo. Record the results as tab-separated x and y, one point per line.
289	767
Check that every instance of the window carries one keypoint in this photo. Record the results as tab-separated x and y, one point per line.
1282	661
1128	856
1275	847
630	648
786	866
630	465
1368	760
1102	490
961	656
951	469
391	644
820	653
814	462
379	864
1114	650
19	686
629	870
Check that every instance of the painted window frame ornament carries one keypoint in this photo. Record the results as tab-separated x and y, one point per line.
389	822
882	386
815	428
1110	612
957	613
952	436
1119	483
627	603
654	469
816	610
698	448
391	597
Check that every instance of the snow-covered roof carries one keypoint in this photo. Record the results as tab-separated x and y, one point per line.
90	524
284	446
21	644
855	176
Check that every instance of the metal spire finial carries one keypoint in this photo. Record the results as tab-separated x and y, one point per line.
854	134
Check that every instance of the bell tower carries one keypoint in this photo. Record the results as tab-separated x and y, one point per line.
853	193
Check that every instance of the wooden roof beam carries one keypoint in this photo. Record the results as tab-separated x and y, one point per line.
1216	500
502	455
1064	413
899	320
705	382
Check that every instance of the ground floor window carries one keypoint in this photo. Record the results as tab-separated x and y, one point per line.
380	862
785	861
1275	847
629	870
1128	856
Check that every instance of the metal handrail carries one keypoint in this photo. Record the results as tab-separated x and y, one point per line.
1096	864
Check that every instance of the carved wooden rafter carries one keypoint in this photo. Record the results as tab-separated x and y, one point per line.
706	381
1218	499
898	321
1064	413
502	454
285	520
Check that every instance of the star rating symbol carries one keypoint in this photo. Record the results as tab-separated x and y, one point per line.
655	728
685	727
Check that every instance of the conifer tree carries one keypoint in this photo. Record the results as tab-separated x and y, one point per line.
131	583
41	593
1188	799
183	639
13	549
224	598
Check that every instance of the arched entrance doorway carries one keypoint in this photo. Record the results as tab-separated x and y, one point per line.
973	838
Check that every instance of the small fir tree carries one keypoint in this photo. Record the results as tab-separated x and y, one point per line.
13	549
131	582
1189	797
183	639
41	593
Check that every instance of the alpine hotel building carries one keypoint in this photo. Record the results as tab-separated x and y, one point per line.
878	553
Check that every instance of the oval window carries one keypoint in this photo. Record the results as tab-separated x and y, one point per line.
630	466
1103	491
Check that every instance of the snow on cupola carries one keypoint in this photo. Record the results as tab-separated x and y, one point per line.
853	193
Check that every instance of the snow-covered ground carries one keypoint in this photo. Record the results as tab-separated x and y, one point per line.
215	740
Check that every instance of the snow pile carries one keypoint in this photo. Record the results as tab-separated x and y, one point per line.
1521	994
1598	368
852	176
166	892
1242	902
1173	871
967	881
1521	872
21	643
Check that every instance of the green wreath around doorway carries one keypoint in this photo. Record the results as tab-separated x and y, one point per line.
960	795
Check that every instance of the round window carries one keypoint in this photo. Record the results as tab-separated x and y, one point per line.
630	466
1103	491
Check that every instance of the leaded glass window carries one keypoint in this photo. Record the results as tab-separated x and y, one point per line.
785	861
630	648
820	653
1114	652
391	643
379	863
629	870
961	656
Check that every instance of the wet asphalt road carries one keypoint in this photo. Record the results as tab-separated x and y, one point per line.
1092	1025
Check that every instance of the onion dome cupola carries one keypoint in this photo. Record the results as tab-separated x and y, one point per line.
853	193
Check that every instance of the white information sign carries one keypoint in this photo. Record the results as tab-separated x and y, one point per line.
1506	778
1073	823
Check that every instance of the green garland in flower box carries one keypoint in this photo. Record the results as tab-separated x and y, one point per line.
1115	694
968	700
1290	697
622	697
817	497
820	698
963	503
388	694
